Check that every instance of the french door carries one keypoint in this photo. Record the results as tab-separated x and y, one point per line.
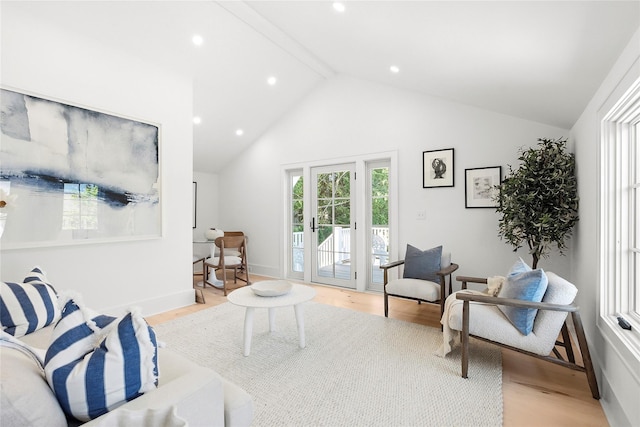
332	225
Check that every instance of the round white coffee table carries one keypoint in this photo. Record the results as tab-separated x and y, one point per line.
245	297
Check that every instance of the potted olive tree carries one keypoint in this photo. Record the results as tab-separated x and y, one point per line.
538	202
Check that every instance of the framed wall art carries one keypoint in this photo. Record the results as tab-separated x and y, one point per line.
480	186
80	175
195	203
437	168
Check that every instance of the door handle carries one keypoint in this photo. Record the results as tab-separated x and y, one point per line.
313	225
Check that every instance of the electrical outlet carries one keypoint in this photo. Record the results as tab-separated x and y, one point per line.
421	215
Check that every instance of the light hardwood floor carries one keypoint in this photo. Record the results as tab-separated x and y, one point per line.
535	393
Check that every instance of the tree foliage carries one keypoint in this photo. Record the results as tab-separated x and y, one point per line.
380	197
334	203
538	202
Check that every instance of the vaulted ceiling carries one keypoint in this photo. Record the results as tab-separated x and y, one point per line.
538	60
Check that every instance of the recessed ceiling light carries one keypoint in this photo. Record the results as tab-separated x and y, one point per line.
272	80
197	40
338	6
197	120
394	69
239	132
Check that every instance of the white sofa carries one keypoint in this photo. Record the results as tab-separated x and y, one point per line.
187	394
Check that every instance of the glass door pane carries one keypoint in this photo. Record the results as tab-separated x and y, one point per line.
296	234
331	225
378	189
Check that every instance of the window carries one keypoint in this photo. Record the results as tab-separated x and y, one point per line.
80	207
620	217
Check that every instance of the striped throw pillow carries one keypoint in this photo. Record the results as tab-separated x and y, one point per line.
28	306
95	364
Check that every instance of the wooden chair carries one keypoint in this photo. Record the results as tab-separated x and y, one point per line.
236	251
418	289
481	319
222	261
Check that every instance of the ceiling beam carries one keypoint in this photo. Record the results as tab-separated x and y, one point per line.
260	24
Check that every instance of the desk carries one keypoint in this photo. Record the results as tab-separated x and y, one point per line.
245	297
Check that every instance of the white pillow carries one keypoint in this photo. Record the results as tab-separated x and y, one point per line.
28	306
96	364
25	396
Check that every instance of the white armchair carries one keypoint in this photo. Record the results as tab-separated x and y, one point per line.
428	285
479	316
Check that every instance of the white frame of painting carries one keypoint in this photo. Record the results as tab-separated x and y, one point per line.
472	199
42	227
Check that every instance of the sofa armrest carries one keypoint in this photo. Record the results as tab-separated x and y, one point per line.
197	392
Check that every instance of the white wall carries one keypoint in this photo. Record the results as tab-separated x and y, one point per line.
619	382
207	209
349	117
44	60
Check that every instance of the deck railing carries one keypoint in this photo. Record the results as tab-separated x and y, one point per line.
337	247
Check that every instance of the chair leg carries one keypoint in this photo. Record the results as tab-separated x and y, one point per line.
465	339
586	356
567	343
204	301
246	272
386	305
224	280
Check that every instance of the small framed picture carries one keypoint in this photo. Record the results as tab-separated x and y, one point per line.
437	168
480	187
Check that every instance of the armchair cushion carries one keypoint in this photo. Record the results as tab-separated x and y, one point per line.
414	288
420	264
29	306
525	284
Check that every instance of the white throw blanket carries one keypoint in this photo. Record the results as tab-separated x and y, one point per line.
494	284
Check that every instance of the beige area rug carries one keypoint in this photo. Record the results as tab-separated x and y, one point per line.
357	369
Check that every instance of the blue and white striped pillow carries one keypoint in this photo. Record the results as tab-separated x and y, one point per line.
96	364
29	306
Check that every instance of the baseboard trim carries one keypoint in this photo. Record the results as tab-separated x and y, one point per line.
157	304
263	270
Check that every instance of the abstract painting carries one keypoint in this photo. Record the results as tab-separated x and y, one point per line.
79	175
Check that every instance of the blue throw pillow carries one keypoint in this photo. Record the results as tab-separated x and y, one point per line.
95	364
28	306
519	267
420	264
525	284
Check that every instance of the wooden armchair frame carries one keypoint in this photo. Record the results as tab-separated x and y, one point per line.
447	271
587	366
